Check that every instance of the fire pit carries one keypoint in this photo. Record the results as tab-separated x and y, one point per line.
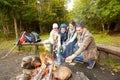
44	68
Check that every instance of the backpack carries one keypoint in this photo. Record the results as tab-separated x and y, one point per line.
35	37
29	37
32	37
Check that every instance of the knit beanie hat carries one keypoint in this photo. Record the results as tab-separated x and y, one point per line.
63	25
55	25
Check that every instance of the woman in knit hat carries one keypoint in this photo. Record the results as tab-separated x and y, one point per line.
54	36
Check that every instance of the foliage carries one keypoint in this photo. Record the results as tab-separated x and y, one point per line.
97	13
31	15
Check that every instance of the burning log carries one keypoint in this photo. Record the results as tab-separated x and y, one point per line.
45	71
40	73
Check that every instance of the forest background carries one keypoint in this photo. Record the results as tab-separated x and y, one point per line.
101	17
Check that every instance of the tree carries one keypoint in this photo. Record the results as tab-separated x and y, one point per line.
97	13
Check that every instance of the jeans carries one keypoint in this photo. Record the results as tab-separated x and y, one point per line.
80	57
69	48
59	55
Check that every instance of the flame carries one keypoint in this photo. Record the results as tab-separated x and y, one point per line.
45	49
46	72
54	67
42	58
54	78
45	60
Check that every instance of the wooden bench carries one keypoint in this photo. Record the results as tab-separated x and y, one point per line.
35	45
102	47
109	49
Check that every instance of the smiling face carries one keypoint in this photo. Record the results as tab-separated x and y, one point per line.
63	30
55	29
71	26
79	30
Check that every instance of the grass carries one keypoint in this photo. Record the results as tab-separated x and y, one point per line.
44	36
6	44
112	65
107	39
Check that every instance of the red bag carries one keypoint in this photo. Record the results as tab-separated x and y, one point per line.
22	39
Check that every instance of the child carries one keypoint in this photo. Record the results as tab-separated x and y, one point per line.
62	37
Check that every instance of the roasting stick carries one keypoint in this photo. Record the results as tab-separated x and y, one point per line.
9	52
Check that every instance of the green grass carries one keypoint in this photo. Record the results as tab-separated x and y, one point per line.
107	39
112	65
44	36
6	44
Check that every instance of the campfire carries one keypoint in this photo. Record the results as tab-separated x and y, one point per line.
43	68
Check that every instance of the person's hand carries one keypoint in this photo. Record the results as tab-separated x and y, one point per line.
70	58
59	47
79	44
67	43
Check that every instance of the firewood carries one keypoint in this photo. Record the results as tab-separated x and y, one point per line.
40	73
49	76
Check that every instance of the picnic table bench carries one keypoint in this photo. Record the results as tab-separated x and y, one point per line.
35	45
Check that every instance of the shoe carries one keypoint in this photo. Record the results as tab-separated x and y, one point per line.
78	61
91	65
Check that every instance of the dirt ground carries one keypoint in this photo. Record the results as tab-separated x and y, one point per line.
10	67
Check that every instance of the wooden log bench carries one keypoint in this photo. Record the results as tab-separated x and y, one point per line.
109	49
35	45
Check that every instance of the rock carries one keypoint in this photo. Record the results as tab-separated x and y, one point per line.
23	77
27	71
62	73
28	62
80	76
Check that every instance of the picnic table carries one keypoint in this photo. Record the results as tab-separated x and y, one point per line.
35	45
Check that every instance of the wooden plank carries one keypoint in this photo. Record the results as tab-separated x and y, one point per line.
109	49
38	43
35	45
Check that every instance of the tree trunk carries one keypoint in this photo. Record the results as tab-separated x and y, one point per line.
108	27
103	27
15	25
4	30
20	25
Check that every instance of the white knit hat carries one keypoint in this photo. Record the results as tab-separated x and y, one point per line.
55	25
